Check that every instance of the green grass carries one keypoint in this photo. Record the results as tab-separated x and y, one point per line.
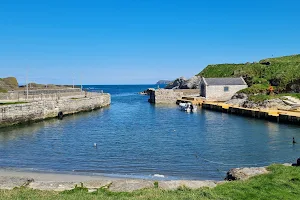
281	183
12	103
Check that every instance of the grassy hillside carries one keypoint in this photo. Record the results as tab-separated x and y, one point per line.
283	73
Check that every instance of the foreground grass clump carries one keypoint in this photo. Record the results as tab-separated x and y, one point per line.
281	183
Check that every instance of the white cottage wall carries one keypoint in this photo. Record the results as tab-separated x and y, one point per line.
217	93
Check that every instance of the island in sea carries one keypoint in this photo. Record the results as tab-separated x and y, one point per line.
163	82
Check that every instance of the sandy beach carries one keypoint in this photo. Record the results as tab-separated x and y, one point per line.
10	179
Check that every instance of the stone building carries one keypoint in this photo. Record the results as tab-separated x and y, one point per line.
220	89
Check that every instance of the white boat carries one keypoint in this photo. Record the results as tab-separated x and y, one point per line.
188	107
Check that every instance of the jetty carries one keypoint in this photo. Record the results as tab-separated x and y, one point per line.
280	116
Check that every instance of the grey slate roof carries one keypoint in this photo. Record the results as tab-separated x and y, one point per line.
225	81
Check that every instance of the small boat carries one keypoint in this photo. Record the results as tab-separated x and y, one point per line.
188	107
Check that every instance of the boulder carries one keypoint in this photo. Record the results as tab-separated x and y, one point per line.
244	173
238	99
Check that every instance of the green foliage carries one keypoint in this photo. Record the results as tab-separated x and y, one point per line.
292	58
3	90
281	183
255	89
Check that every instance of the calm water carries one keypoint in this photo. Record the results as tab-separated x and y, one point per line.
137	139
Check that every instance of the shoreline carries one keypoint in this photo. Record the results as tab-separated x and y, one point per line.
54	181
52	175
48	181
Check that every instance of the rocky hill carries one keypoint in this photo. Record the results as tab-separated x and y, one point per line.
183	83
9	83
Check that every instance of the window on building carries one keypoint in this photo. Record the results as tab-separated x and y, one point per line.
226	89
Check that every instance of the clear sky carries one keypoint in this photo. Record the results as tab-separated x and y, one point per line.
139	41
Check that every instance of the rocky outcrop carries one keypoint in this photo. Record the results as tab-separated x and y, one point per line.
183	83
147	92
244	173
177	84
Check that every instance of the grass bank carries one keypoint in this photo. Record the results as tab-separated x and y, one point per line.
281	183
12	103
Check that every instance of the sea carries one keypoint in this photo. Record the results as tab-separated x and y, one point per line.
135	139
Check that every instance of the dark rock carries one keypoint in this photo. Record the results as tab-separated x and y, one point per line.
297	164
293	87
265	63
275	82
147	92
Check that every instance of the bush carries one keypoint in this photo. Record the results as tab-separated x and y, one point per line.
255	89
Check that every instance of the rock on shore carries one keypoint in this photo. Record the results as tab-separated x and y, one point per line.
241	100
244	173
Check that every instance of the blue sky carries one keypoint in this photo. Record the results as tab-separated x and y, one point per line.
139	41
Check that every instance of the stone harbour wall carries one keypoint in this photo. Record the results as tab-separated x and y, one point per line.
43	109
170	96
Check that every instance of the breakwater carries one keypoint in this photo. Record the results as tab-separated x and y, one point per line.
279	116
43	109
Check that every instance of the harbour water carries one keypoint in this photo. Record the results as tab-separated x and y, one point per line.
137	139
